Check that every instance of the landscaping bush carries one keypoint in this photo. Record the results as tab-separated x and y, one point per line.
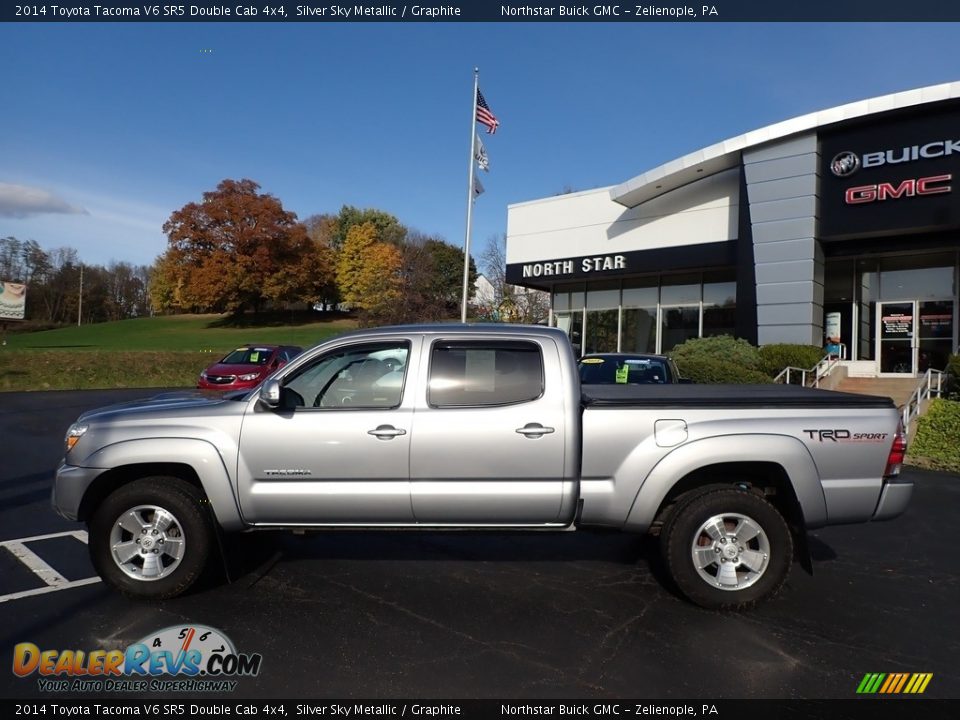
952	391
774	358
712	371
721	348
937	433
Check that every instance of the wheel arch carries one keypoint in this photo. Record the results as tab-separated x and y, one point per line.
791	481
198	463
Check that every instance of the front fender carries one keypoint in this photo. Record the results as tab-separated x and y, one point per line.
200	455
787	452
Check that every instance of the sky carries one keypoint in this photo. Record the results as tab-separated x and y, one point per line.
106	129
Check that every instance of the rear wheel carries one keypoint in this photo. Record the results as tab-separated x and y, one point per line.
151	538
727	549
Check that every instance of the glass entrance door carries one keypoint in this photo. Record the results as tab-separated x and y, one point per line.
897	337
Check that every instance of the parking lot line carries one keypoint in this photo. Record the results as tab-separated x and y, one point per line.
39	567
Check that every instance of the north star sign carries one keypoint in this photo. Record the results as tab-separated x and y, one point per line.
554	268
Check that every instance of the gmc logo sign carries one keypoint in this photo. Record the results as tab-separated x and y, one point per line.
932	185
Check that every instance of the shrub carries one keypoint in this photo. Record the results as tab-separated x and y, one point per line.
720	348
774	358
952	391
937	433
713	371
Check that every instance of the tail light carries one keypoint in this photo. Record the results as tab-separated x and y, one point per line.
897	451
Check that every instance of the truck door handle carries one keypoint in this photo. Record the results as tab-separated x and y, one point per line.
385	432
534	430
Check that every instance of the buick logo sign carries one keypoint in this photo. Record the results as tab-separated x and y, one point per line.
845	164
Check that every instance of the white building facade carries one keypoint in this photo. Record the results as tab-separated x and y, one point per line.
838	228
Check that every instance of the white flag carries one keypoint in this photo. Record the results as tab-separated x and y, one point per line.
477	187
483	162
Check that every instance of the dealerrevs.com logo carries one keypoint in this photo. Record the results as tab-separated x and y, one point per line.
193	658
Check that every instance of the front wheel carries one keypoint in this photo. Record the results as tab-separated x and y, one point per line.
727	549
152	537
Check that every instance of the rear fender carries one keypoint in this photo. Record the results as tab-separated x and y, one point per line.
787	452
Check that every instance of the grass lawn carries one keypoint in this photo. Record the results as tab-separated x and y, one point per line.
196	333
146	352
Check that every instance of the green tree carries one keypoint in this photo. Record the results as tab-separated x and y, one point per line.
389	229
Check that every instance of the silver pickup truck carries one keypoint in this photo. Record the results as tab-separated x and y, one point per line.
454	426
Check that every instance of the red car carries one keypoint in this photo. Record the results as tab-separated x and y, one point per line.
246	367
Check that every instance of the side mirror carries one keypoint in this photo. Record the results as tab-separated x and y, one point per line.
270	393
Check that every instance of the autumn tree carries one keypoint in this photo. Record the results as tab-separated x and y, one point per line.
238	249
321	230
368	274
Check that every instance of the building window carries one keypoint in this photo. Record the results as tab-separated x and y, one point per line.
641	293
572	324
602	317
601	334
639	330
839	287
678	325
917	277
719	303
680	289
867	290
647	314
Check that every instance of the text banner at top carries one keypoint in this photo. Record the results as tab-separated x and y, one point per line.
487	11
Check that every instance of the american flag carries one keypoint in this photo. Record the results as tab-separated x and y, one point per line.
484	115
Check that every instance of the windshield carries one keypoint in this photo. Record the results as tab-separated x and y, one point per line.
623	371
248	356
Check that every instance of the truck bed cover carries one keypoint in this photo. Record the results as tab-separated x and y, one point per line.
726	396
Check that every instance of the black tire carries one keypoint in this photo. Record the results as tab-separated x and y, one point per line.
759	566
191	523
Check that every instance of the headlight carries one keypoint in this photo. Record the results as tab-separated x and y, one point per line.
74	433
203	374
249	376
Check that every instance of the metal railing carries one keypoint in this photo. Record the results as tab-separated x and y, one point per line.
819	371
930	385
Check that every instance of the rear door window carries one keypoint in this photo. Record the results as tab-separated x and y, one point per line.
471	373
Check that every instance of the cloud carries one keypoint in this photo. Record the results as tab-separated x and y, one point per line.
20	201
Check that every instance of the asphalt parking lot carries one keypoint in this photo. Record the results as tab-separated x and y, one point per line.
474	615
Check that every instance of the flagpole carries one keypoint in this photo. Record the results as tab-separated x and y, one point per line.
466	242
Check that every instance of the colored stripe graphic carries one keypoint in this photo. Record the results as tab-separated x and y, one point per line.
894	683
903	680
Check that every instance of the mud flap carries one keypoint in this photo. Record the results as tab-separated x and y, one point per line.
801	549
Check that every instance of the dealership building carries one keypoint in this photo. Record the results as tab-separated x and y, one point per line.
840	227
